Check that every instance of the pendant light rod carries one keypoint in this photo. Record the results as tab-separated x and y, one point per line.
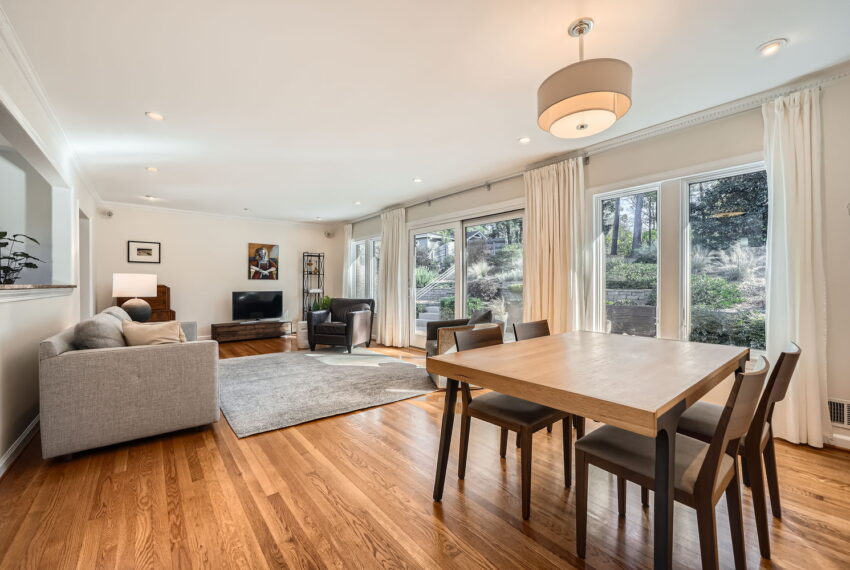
579	29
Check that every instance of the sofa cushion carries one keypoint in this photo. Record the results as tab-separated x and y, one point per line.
141	334
482	316
102	331
331	328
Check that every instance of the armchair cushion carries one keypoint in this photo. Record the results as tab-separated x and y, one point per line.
331	328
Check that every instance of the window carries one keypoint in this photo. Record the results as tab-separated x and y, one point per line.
727	230
697	276
493	273
364	268
434	272
630	228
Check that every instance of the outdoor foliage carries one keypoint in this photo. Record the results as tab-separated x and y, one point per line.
447	307
737	328
424	275
12	262
485	289
714	293
620	274
728	210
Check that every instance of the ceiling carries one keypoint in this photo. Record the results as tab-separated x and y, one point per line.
297	110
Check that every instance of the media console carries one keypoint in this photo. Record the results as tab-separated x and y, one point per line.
225	332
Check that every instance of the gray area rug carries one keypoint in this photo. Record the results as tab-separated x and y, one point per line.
273	391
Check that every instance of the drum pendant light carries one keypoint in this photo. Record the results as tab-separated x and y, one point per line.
587	97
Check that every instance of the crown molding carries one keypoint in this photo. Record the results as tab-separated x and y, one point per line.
11	44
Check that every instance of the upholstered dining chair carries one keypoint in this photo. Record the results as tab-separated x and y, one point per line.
534	329
703	471
700	421
509	413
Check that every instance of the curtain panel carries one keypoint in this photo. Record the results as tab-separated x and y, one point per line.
796	281
347	261
393	317
555	254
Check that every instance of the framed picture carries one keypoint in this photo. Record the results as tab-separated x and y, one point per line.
143	252
262	260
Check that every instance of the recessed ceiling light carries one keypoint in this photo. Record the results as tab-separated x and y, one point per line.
524	140
318	218
246	209
149	197
155	116
357	203
771	47
152	169
417	180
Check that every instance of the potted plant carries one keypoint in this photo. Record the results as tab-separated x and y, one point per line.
12	262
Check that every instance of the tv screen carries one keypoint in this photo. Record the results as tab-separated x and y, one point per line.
257	305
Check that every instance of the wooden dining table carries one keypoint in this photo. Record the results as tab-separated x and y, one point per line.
635	383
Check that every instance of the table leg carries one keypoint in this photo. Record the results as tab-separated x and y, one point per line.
665	454
445	437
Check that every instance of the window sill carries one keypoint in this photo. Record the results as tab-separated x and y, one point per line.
13	293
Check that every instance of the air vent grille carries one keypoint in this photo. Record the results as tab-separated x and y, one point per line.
839	412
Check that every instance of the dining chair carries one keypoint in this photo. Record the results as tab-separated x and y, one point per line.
703	471
700	421
509	413
534	329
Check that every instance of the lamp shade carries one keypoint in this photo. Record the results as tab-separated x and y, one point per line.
133	285
584	98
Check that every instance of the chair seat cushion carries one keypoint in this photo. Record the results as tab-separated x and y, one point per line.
331	328
512	409
701	419
431	347
637	453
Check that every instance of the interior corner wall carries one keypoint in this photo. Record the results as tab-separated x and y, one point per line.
205	258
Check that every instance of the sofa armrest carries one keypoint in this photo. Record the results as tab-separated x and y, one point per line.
91	398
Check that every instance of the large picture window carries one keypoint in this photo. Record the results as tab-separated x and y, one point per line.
727	230
364	270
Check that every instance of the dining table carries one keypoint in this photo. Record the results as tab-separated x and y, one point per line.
640	384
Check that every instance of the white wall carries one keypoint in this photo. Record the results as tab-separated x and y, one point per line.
205	258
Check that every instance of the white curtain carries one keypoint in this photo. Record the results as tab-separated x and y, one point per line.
555	259
796	290
347	264
392	320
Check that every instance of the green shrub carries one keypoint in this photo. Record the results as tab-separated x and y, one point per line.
424	275
714	293
485	289
515	288
447	307
622	275
742	328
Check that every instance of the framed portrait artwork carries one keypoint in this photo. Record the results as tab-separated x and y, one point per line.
262	261
143	252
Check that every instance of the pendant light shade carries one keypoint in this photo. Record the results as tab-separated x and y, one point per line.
584	98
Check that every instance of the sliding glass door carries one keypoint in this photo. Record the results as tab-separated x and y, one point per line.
434	278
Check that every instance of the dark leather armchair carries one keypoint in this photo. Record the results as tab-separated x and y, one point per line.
432	328
348	323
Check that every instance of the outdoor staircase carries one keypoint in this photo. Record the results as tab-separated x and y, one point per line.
431	313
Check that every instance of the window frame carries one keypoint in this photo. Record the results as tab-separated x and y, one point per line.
368	247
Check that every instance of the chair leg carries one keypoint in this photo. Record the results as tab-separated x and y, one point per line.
349	349
566	423
581	503
464	445
621	496
313	347
644	497
518	439
525	452
549	428
707	525
772	478
756	477
503	444
745	469
736	521
578	422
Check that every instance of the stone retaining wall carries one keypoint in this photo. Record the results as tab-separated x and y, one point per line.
629	296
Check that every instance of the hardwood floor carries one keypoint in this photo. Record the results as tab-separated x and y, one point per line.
354	491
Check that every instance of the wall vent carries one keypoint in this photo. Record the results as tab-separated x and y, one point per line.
839	412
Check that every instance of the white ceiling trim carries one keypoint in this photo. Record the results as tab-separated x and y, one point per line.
11	44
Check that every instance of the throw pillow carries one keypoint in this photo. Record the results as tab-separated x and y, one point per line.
481	316
118	313
140	334
102	331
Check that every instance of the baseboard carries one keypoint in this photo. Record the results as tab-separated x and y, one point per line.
16	448
205	337
841	440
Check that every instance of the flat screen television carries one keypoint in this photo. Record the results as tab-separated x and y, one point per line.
253	305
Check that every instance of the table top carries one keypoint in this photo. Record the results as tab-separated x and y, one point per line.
625	381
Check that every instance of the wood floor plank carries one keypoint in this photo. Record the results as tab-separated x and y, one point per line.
354	491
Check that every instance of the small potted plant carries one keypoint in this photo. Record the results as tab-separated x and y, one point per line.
12	262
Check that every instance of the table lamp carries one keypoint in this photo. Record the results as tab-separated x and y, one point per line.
135	285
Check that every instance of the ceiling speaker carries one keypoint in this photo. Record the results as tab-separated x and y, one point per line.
329	235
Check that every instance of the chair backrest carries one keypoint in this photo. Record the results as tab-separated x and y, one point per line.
734	421
476	338
340	304
777	387
534	329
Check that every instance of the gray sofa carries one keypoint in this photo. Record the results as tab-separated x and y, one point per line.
96	397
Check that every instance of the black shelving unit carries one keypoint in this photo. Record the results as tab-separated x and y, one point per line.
313	272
